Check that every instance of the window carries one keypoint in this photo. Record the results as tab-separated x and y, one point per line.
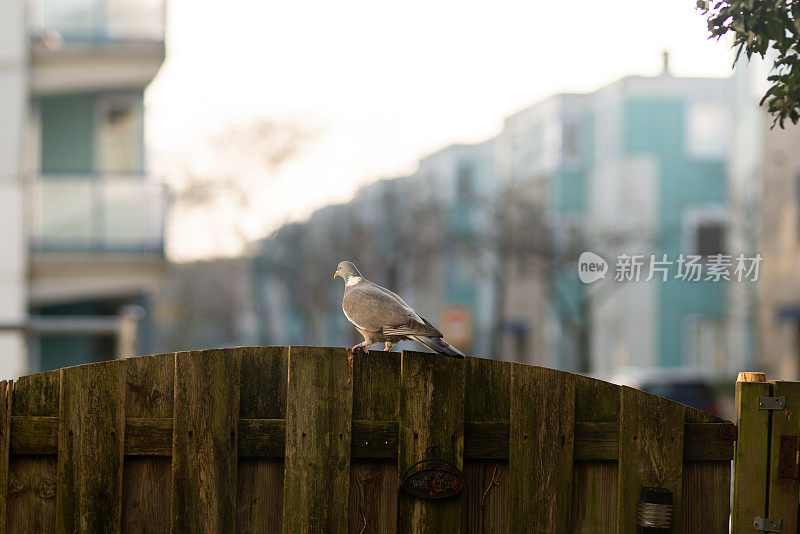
119	134
572	140
707	130
465	182
705	231
710	238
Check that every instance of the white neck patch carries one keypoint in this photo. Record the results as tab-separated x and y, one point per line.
353	280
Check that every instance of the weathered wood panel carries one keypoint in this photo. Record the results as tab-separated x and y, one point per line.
784	493
91	440
204	441
650	453
706	504
6	390
750	456
373	485
594	483
431	426
594	497
149	391
487	402
319	407
540	447
260	480
32	479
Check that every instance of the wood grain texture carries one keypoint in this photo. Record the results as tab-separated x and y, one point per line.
650	453
6	390
485	497
594	498
373	497
374	485
204	441
487	408
706	496
540	449
259	482
91	440
431	426
319	407
706	484
594	483
149	390
751	458
784	493
32	479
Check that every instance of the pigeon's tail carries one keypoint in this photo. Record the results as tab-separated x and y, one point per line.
439	345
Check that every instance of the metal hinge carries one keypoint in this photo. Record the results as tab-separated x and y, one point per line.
772	403
765	524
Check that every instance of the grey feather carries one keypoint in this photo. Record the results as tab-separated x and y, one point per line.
382	316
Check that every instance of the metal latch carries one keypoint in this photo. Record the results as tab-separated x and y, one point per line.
765	524
789	457
772	403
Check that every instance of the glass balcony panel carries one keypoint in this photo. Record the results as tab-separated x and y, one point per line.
66	210
98	21
132	212
97	214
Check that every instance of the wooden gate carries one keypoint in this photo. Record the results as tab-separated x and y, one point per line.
766	488
271	439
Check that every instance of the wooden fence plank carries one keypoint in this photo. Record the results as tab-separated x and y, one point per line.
204	441
6	390
783	493
706	503
431	426
650	453
540	447
259	481
706	484
487	402
319	407
594	497
91	441
149	391
594	486
373	484
32	479
750	456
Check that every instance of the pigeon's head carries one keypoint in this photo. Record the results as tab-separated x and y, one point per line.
345	270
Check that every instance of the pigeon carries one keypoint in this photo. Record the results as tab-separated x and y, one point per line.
381	316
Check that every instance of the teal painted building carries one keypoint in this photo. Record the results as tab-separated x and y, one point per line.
95	219
637	168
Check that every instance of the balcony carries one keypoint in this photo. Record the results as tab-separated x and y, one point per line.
107	214
79	45
92	22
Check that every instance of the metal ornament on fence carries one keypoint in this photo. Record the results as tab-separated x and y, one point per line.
654	514
433	479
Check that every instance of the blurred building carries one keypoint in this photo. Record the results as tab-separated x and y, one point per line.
424	236
86	233
637	167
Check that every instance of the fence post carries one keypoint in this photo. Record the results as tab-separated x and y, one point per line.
750	458
6	388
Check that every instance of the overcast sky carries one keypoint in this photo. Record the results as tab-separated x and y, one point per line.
383	84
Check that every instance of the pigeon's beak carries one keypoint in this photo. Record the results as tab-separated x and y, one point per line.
335	275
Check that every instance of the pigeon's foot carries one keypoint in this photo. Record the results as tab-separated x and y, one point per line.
389	346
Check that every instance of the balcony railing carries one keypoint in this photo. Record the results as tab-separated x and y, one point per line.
55	22
96	213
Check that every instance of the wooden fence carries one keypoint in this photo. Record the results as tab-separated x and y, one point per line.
271	439
766	484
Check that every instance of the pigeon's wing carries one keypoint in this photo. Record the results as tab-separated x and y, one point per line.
376	309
